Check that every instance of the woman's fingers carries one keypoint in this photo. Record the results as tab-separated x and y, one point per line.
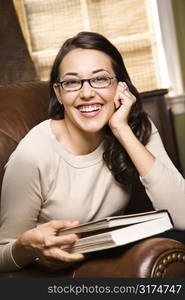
68	257
56	254
47	231
124	101
67	239
123	96
48	244
59	224
58	258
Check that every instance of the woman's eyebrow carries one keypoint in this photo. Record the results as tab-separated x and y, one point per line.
99	70
71	73
76	74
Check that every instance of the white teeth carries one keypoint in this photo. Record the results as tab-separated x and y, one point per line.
89	108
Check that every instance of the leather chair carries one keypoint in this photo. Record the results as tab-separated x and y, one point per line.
24	105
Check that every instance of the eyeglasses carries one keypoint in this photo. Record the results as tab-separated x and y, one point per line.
99	82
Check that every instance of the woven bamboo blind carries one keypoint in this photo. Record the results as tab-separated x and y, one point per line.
127	23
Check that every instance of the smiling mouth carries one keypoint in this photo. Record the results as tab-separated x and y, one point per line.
89	108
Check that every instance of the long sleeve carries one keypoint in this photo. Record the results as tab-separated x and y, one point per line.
24	188
20	204
164	184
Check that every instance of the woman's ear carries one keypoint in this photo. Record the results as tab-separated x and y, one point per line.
57	91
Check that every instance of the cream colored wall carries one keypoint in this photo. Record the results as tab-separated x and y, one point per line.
179	116
179	18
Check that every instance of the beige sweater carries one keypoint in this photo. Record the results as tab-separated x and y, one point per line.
43	182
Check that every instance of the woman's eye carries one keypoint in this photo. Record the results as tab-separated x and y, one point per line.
100	79
71	82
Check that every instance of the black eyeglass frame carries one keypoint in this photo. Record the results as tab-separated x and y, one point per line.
60	83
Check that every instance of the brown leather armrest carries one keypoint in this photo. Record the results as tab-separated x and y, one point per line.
153	257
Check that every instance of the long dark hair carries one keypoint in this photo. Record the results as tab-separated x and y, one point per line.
115	157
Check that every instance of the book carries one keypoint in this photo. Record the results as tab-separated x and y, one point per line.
115	231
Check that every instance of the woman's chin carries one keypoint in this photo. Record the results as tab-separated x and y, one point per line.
92	127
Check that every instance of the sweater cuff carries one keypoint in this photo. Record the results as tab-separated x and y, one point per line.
153	176
19	267
9	264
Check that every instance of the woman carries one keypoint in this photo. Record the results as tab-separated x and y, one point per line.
79	165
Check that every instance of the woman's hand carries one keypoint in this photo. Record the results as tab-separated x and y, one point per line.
123	100
44	244
138	153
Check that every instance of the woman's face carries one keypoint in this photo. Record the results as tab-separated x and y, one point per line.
88	109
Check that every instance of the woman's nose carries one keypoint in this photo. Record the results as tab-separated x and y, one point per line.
87	91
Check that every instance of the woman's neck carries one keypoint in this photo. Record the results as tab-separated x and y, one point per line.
75	140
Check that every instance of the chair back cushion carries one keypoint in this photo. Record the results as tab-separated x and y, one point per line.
22	106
